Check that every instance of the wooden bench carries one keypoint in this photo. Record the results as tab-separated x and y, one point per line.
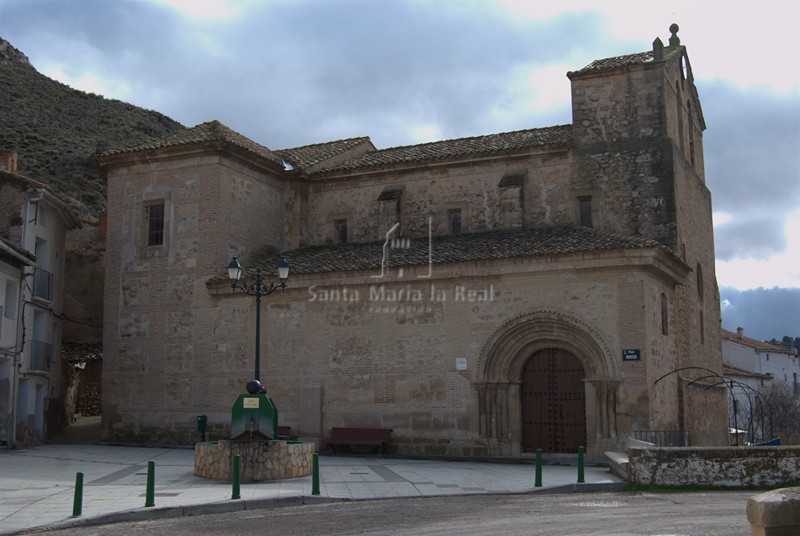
372	437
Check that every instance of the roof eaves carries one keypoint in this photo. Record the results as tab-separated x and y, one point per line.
448	150
542	242
209	132
27	180
22	255
613	63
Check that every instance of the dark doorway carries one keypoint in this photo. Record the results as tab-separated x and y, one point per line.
553	402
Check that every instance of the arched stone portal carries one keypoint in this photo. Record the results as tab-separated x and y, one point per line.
500	372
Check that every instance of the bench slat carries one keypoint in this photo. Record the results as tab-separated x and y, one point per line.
359	436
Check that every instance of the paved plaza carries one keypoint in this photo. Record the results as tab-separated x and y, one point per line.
38	484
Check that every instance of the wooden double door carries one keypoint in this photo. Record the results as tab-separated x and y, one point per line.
553	402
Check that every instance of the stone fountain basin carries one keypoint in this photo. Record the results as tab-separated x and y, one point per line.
259	460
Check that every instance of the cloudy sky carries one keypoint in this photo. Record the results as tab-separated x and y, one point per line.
292	72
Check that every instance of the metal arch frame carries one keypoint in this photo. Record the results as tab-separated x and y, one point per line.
724	381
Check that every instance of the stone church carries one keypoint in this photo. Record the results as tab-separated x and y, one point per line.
542	289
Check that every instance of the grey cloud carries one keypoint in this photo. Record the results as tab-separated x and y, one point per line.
757	235
293	73
752	146
752	167
763	313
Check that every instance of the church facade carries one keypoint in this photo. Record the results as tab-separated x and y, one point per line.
546	288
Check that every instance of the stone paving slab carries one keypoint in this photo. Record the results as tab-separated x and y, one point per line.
37	485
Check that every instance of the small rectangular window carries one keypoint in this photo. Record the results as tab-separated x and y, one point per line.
454	218
586	211
155	225
340	227
10	305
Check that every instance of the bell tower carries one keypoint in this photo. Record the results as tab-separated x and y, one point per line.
637	122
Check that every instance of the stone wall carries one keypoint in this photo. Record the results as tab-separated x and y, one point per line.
84	261
542	195
714	466
259	460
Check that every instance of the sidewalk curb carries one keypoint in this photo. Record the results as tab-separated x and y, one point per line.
590	487
221	507
171	512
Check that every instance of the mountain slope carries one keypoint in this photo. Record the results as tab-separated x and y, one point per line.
56	129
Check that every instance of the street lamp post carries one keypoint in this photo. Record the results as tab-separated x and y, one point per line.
257	289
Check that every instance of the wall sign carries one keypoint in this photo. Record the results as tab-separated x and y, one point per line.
631	355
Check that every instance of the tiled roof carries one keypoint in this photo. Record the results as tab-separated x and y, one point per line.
22	178
730	370
212	131
755	344
618	61
482	246
461	147
309	155
638	58
15	250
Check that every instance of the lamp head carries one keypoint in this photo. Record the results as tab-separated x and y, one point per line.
283	270
234	270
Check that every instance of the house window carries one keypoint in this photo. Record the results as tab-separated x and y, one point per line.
454	221
155	224
585	204
10	308
664	315
340	228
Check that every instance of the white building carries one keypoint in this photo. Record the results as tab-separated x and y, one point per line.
751	368
32	296
13	264
761	357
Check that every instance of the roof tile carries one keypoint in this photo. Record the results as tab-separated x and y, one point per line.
310	155
211	131
755	344
482	246
615	62
461	147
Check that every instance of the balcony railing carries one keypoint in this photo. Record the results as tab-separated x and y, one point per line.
41	356
43	285
663	438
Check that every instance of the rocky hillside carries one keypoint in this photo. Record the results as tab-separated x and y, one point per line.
56	129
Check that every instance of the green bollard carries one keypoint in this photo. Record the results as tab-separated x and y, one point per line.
580	465
538	483
235	478
149	499
315	474
77	504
